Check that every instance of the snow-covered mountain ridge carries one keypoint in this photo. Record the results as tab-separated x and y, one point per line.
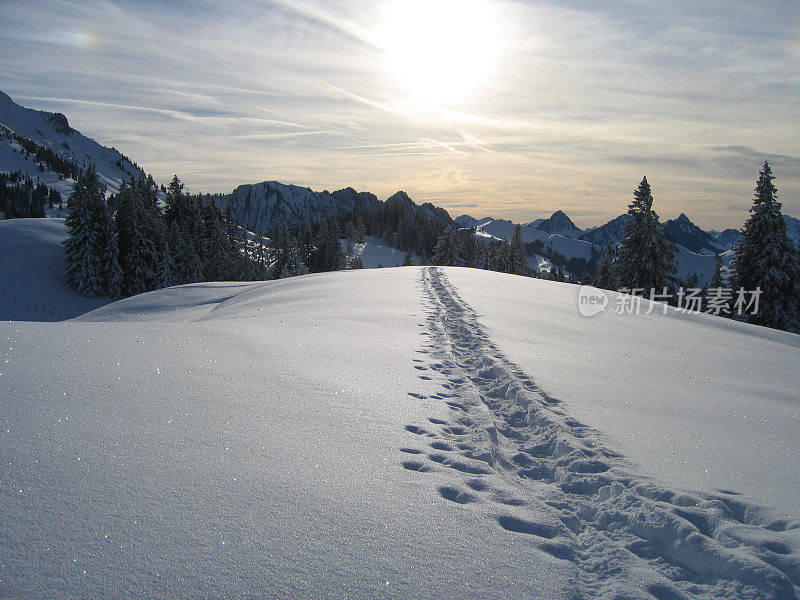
53	132
258	206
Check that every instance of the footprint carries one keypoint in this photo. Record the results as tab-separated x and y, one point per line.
442	446
415	429
417	396
413	465
518	525
456	495
437	421
410	450
454	430
477	485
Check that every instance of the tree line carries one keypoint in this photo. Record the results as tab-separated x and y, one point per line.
21	197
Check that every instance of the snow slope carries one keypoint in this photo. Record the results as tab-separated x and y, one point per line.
571	248
31	268
368	434
375	253
703	402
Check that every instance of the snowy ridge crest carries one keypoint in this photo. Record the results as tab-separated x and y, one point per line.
53	132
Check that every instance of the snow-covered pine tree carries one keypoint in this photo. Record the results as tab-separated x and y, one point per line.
166	266
112	273
260	258
179	207
215	247
517	261
89	229
767	259
604	278
133	240
448	251
717	278
646	257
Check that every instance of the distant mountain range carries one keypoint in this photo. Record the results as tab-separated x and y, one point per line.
31	141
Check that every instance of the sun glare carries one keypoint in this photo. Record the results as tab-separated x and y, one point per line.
440	50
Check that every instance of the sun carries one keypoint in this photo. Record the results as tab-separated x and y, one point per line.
441	51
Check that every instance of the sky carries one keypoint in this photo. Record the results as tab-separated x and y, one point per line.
503	108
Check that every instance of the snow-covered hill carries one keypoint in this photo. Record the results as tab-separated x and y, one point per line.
500	229
404	433
32	287
52	131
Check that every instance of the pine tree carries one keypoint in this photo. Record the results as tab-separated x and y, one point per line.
646	257
517	260
260	258
407	260
215	247
766	259
604	278
717	279
448	251
166	266
90	255
138	254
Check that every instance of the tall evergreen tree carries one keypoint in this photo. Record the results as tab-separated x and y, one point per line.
138	253
646	257
90	255
767	259
517	260
448	250
604	278
166	266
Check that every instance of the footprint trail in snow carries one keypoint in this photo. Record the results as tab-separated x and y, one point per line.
522	461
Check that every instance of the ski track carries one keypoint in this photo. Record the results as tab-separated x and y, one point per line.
523	462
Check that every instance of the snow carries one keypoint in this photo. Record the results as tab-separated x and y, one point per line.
688	263
374	254
251	450
31	268
404	432
539	263
567	247
700	401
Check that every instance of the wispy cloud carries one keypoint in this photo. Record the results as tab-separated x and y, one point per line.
584	100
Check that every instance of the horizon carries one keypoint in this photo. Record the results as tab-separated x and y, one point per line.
506	109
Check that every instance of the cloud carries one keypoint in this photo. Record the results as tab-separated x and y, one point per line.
585	99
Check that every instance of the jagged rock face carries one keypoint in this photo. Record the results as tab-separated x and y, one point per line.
691	237
561	224
60	123
610	233
258	207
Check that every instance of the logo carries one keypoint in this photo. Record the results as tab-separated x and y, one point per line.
591	300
